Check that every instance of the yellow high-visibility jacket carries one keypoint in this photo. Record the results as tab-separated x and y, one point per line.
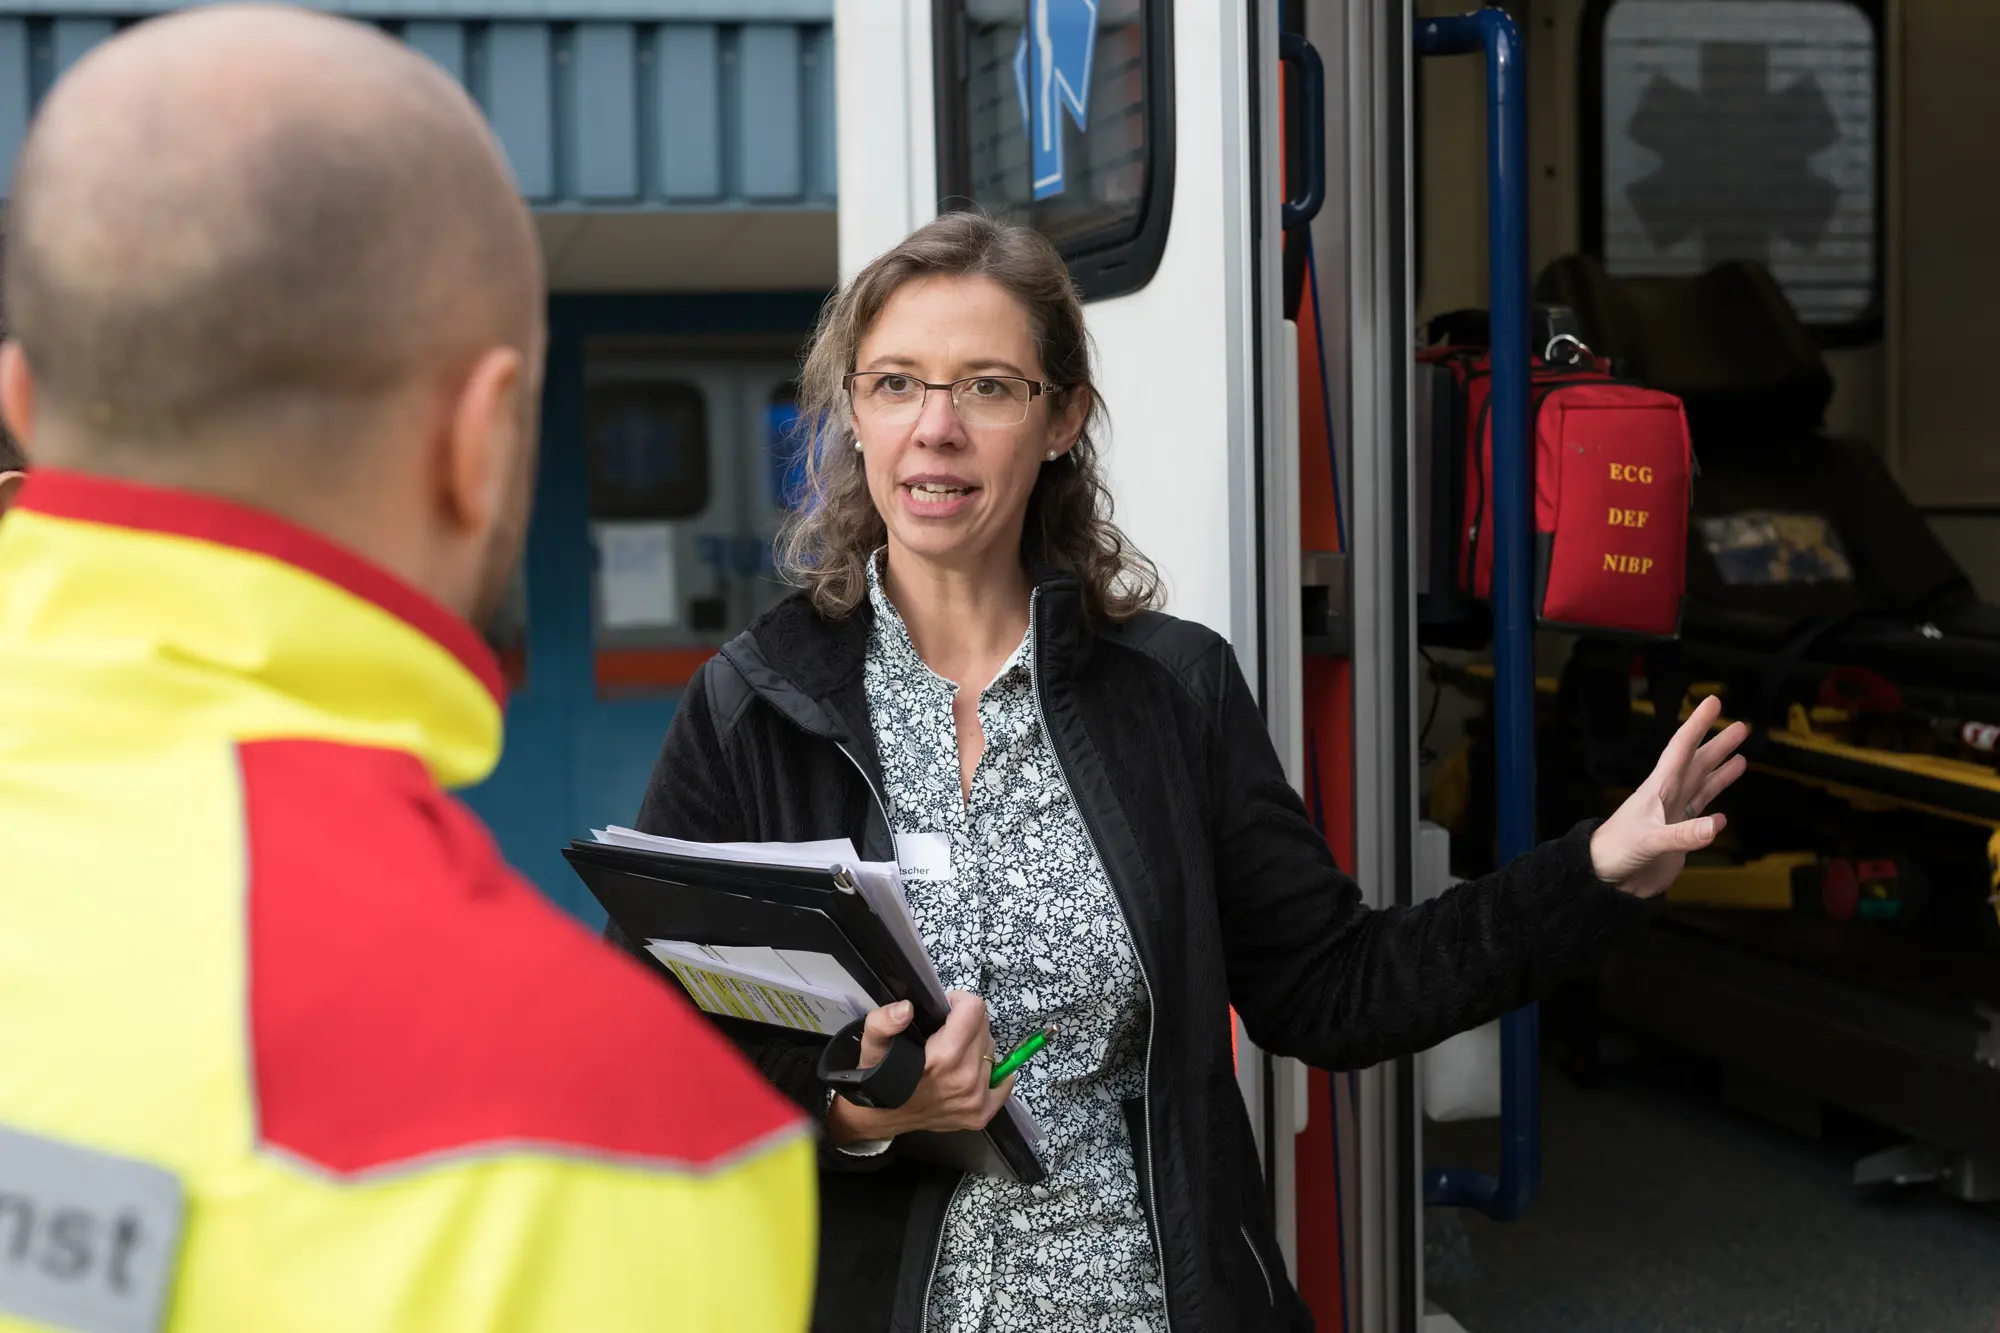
284	1044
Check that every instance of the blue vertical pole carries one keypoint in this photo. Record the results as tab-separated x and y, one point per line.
1492	31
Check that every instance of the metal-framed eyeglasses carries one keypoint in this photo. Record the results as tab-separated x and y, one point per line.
896	399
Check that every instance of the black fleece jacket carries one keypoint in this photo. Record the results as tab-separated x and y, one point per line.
1230	893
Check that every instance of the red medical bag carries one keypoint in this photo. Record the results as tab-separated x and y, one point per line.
1612	465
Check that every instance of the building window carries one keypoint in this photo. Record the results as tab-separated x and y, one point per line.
1739	129
1059	114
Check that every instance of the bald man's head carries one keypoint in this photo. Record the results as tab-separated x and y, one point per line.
237	232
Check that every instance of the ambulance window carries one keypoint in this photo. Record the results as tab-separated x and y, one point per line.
1739	129
1070	131
648	450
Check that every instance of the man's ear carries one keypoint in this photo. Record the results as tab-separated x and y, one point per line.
17	392
484	438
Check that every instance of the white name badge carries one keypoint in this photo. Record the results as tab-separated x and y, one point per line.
923	858
88	1241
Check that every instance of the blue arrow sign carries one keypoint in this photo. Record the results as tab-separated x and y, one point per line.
1052	72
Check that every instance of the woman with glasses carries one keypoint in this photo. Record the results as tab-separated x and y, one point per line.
1097	837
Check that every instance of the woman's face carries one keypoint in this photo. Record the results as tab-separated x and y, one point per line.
952	482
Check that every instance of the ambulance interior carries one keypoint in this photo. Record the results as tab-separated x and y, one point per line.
1782	1102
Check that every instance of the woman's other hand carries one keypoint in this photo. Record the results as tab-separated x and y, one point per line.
953	1093
1643	846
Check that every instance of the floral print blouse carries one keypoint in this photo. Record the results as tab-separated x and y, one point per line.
1024	918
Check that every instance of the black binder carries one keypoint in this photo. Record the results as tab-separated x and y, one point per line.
660	895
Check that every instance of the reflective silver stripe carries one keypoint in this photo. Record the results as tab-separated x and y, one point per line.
88	1241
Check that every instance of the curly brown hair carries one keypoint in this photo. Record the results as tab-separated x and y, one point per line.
829	537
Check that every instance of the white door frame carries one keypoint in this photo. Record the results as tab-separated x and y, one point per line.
1363	241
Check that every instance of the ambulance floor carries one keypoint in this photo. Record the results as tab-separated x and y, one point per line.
1665	1211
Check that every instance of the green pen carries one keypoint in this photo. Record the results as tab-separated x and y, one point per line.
1020	1055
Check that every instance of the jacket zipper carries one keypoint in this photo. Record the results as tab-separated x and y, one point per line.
1132	938
937	1253
881	801
1270	1292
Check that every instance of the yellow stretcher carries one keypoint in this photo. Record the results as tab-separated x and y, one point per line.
1868	779
1765	884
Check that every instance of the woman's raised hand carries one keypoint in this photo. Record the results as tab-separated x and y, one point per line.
952	1093
1643	846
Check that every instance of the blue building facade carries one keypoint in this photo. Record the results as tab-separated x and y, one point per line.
679	159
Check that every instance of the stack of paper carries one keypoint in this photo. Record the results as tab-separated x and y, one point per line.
877	880
807	992
814	855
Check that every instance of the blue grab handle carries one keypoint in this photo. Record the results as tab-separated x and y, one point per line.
1492	31
1312	129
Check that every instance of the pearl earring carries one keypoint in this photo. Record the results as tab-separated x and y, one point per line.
857	446
1052	455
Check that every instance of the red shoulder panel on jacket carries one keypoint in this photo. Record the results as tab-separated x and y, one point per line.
411	995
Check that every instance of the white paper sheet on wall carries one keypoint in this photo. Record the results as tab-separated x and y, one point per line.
635	579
